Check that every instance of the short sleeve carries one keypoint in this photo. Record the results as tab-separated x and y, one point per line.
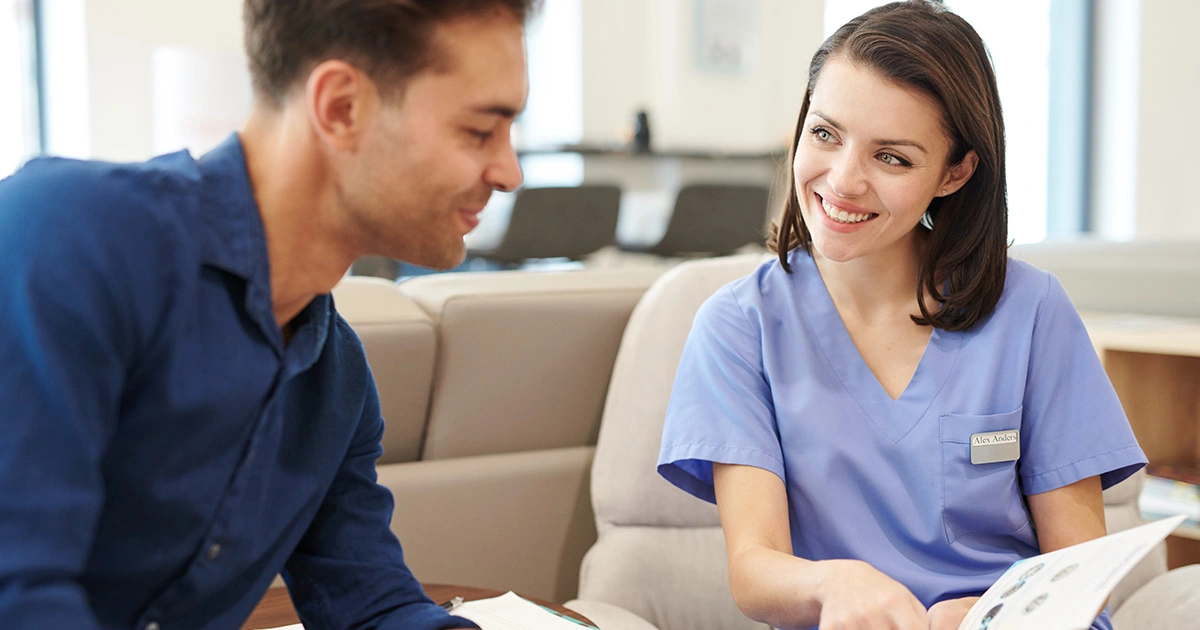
1074	426
720	408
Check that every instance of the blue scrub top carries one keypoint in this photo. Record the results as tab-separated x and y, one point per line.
770	378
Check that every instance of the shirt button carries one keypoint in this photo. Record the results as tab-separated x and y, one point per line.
214	550
153	625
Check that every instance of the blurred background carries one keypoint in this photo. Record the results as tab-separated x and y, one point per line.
1099	99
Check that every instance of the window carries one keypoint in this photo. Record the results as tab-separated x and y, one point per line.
1019	41
19	119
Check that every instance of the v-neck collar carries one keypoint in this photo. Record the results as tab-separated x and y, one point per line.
894	418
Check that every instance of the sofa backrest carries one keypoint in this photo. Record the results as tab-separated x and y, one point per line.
1144	277
523	358
400	341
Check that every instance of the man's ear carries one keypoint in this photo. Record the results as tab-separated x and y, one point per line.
960	173
341	101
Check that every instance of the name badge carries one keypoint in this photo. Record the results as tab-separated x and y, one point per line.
997	446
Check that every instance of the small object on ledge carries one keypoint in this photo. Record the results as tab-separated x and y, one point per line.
641	132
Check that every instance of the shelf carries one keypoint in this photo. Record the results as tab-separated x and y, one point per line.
1151	334
1154	365
1187	531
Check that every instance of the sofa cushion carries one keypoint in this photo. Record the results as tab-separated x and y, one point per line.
515	521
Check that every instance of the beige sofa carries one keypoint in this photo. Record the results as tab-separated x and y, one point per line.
493	386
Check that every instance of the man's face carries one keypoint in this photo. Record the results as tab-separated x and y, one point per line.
432	156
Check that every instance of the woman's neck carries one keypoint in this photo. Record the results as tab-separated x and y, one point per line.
876	287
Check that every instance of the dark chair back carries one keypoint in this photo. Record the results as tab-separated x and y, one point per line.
553	222
715	219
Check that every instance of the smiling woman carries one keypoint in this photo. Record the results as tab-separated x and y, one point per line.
18	116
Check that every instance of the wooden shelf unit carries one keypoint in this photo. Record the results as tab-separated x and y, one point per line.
1154	364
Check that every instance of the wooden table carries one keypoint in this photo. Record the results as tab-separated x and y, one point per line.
276	609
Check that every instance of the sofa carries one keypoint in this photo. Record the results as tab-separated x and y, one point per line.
521	428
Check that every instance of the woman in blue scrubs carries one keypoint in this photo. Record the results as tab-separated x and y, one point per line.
893	411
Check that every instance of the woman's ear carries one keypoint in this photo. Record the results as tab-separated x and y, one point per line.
959	174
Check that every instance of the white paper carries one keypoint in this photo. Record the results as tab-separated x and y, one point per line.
1064	589
511	612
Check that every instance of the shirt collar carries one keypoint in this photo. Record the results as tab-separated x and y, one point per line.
234	241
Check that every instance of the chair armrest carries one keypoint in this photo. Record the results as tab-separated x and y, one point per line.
607	616
1170	601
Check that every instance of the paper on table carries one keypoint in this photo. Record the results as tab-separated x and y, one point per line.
511	612
1064	589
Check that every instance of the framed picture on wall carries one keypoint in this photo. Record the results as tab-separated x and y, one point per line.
726	36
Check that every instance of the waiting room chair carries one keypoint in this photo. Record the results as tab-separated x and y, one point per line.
557	222
713	219
660	553
659	560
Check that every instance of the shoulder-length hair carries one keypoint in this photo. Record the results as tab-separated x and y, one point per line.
926	47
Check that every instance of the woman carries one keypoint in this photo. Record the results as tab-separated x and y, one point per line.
893	412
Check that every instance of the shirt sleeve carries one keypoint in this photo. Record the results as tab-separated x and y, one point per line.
720	408
1074	426
76	303
348	570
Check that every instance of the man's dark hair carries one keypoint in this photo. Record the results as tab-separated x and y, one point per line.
390	40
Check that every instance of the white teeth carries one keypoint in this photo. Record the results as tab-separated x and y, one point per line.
841	216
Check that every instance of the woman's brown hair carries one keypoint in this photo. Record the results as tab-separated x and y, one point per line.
924	46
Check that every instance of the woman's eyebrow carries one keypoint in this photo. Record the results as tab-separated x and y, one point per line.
882	142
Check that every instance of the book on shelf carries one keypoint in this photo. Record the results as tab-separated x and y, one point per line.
1171	490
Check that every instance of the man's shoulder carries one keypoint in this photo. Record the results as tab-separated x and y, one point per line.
65	192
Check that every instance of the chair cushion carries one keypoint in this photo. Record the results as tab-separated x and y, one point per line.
675	578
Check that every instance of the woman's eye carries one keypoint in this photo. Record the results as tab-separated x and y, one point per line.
822	134
894	160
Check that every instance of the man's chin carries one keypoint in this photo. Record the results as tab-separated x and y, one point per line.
442	261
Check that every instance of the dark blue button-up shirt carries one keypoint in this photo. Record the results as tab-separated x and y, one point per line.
163	452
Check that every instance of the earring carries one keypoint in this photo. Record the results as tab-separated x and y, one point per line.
943	192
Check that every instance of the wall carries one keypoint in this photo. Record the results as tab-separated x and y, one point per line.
638	53
641	54
1168	127
120	37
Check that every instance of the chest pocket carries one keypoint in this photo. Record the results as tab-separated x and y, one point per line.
979	498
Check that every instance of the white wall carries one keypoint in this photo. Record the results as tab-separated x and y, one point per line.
641	54
120	37
1168	127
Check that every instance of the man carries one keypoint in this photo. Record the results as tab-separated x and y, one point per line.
184	413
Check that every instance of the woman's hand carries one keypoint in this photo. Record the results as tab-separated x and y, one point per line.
948	614
856	596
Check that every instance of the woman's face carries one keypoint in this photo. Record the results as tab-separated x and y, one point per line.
871	157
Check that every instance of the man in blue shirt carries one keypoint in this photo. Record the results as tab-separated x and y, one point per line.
185	413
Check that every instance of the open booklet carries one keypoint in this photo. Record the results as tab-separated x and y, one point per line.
513	612
1064	589
506	612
